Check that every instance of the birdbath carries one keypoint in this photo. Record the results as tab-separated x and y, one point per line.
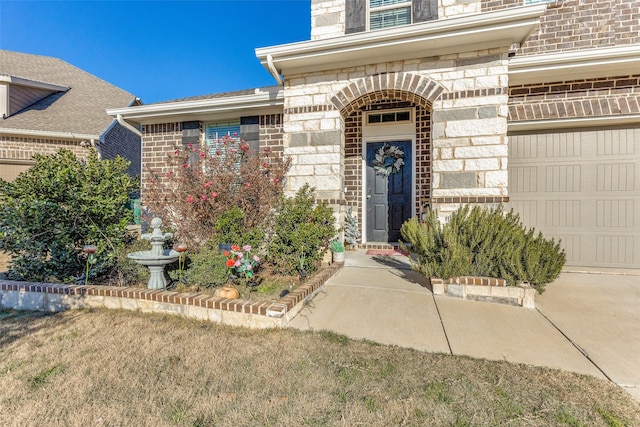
157	257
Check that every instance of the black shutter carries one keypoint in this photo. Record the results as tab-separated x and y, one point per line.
424	10
250	132
355	16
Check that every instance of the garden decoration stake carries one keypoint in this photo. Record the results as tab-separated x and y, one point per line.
90	250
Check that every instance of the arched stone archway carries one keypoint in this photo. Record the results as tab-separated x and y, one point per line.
391	86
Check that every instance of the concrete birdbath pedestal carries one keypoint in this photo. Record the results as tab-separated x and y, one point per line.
157	257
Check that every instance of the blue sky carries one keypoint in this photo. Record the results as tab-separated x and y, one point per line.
158	50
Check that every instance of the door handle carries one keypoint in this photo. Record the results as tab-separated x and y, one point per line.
368	196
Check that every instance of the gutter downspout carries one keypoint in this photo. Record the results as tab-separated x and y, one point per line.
128	126
272	69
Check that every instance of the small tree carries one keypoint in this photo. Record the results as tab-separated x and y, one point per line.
49	212
198	186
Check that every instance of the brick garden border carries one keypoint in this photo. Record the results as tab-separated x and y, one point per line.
50	297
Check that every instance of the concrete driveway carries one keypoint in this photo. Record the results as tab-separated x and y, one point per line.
584	323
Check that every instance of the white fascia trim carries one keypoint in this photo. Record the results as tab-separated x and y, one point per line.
630	119
31	83
476	31
258	100
574	65
46	134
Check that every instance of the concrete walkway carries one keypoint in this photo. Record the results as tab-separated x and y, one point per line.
584	323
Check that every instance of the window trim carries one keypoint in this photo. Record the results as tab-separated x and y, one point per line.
390	123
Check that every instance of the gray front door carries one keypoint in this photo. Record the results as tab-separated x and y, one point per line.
388	202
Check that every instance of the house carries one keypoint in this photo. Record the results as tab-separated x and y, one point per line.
394	107
47	104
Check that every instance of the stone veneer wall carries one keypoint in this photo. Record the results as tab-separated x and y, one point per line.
579	24
575	98
468	94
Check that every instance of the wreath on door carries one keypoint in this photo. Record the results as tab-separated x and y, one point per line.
388	160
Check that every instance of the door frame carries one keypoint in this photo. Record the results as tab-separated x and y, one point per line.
387	133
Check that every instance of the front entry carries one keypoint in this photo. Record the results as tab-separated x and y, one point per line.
388	190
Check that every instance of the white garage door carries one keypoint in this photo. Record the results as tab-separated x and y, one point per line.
582	187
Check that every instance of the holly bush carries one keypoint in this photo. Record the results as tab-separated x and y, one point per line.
49	212
302	230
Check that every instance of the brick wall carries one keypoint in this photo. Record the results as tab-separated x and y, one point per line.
19	148
575	98
157	141
579	24
122	142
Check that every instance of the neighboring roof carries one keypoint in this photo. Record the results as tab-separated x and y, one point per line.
231	94
80	110
207	107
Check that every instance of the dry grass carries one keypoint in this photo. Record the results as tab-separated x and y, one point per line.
104	368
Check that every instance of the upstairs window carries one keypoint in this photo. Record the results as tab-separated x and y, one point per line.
363	15
389	13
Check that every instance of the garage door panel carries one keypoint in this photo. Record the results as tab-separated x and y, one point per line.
582	187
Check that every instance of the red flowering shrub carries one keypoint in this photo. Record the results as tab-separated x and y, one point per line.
200	184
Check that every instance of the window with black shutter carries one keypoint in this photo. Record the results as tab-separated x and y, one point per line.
363	15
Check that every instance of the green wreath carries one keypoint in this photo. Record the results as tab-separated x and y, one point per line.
388	160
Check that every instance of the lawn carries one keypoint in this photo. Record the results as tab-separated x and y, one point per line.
107	368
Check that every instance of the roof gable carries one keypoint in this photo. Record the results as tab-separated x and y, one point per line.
52	96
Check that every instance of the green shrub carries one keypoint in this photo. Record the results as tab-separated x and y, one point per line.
301	231
230	229
204	268
49	212
483	242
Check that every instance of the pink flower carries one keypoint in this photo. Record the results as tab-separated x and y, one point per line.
276	180
152	180
190	145
186	165
217	153
214	194
190	199
265	165
256	259
203	197
176	152
233	150
246	248
248	185
202	154
208	184
249	267
194	149
235	134
236	264
240	255
266	149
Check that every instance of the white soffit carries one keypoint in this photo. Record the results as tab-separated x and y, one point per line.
574	122
444	36
575	65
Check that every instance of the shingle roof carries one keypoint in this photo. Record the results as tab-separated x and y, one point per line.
81	109
220	95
